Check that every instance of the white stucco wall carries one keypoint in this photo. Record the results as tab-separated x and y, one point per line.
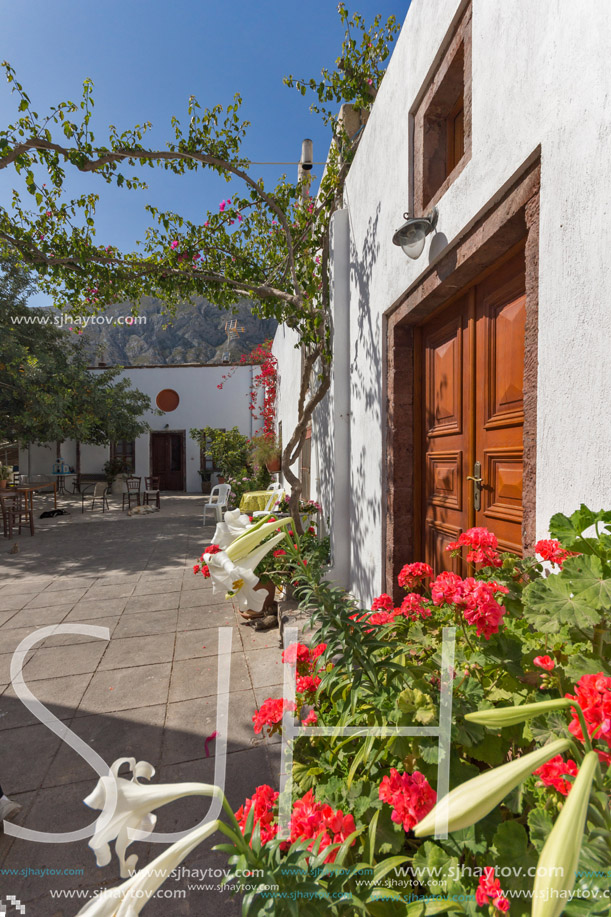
540	79
288	354
201	404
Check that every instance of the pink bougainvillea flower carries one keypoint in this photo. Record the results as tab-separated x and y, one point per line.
551	550
489	891
222	205
553	772
544	662
410	795
174	244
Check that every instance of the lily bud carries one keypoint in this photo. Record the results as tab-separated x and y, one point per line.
557	866
245	544
509	716
471	801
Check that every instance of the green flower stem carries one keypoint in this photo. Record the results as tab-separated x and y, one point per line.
598	638
235	837
584	728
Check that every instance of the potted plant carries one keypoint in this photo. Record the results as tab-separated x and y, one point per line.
114	469
5	474
266	451
206	477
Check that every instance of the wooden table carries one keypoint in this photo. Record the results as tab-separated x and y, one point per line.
28	491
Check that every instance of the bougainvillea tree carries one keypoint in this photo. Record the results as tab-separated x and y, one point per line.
267	243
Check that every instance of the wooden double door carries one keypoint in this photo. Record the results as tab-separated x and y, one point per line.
472	371
168	459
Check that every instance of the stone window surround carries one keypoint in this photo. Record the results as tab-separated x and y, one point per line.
504	225
459	42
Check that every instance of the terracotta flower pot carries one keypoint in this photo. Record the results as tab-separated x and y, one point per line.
3	483
273	465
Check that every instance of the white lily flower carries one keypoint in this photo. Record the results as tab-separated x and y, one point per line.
134	805
128	899
235	523
238	579
232	570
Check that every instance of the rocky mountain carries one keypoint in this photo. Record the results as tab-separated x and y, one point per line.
197	333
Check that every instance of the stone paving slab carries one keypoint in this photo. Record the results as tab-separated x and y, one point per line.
148	692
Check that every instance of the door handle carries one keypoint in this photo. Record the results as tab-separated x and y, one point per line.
476	477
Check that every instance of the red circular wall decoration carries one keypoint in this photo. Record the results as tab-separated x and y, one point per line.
167	400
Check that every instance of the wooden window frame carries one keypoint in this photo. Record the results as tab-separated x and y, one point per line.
120	454
447	90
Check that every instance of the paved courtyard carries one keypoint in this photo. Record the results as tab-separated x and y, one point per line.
148	692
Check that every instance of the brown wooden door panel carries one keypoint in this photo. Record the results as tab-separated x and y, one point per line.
499	409
473	411
446	394
167	460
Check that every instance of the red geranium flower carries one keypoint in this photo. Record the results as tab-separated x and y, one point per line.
551	550
382	602
270	714
206	571
552	772
264	801
413	607
410	795
594	697
483	546
490	888
411	575
544	662
475	598
196	568
307	684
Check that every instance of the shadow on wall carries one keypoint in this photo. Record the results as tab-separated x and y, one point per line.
325	445
366	387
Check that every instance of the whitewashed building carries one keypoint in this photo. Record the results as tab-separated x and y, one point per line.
487	357
182	397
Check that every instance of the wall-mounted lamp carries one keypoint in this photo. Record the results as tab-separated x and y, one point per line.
414	231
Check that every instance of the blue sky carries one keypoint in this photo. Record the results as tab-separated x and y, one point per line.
146	57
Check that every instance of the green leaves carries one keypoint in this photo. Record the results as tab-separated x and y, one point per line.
575	596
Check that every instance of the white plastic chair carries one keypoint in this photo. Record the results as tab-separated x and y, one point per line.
219	497
276	486
274	495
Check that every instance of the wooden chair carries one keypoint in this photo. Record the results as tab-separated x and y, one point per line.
97	491
15	513
151	490
10	513
132	492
